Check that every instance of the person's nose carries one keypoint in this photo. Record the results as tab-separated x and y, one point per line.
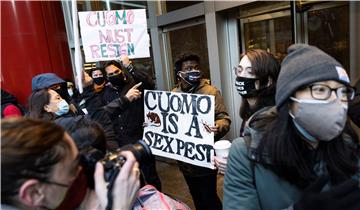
333	95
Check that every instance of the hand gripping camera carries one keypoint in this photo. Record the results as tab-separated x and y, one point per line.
113	161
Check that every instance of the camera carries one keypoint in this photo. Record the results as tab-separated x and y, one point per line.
113	161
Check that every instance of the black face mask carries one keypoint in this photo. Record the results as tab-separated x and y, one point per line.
191	80
246	86
118	80
62	91
99	80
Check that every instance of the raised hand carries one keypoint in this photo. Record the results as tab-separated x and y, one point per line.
133	93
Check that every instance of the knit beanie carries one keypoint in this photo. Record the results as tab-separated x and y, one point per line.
303	66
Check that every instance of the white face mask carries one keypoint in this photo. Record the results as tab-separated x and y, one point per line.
71	92
321	120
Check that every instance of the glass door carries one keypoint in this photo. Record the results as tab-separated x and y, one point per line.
271	32
183	38
328	28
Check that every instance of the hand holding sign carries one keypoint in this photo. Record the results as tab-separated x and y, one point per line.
133	93
210	129
108	34
125	60
176	126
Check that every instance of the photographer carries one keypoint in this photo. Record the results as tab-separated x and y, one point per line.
41	170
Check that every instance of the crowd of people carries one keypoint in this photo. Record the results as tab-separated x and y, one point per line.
298	146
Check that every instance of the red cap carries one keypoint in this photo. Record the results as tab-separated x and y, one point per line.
11	111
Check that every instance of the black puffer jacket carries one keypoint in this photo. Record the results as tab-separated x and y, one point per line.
127	117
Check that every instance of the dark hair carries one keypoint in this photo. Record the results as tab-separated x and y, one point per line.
87	133
29	150
183	58
99	69
115	63
120	66
37	100
290	157
265	66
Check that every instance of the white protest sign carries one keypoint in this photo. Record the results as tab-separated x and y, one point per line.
177	126
108	34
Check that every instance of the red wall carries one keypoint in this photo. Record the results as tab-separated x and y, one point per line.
33	41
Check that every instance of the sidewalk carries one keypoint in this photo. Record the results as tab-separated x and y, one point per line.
173	182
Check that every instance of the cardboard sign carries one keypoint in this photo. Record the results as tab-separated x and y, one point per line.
176	126
108	34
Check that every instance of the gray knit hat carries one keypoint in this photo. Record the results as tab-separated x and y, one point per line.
304	65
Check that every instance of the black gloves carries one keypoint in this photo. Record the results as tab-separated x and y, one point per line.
345	196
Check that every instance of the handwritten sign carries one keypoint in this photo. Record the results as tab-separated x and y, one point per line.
176	126
108	34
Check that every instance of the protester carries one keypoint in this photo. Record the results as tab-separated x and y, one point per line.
256	77
99	79
48	105
42	170
52	81
10	107
201	181
301	154
70	88
122	79
127	86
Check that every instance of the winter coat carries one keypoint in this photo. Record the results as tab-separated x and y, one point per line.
222	119
127	117
248	185
92	104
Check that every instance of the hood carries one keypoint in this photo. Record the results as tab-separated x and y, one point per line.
7	98
45	80
257	124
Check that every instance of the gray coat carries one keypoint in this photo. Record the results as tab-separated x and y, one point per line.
249	185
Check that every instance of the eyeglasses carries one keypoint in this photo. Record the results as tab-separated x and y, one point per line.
238	69
116	72
57	184
323	92
74	173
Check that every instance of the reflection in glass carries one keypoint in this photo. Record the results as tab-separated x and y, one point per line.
328	29
272	35
174	5
190	40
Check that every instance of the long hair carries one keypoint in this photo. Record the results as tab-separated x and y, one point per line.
284	152
37	100
265	66
121	67
29	150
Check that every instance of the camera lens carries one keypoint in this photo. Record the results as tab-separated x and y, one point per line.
140	150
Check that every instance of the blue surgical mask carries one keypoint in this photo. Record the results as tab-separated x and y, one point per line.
63	108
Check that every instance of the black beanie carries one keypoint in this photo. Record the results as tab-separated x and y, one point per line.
303	66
